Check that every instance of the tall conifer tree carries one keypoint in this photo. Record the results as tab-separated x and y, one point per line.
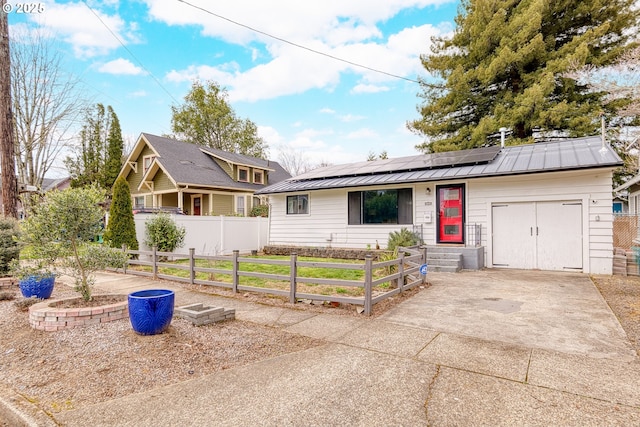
121	228
99	156
504	67
115	147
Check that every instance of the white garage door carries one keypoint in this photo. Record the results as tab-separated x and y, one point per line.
537	235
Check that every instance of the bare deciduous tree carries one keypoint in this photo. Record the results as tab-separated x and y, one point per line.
294	162
46	104
620	81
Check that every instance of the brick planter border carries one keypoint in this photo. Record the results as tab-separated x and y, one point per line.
45	316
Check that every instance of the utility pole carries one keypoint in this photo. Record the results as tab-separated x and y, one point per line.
7	150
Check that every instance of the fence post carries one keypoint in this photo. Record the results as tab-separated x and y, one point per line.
293	285
155	263
236	278
424	261
368	269
401	271
126	263
192	266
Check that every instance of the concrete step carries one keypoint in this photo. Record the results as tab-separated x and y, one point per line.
444	255
446	262
442	249
443	269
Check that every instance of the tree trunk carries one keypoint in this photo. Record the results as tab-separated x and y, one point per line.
9	190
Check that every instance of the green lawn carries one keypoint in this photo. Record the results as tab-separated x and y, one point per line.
311	272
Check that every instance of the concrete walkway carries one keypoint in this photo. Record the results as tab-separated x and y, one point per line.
476	348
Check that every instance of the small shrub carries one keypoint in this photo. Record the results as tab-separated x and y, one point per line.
25	303
404	238
62	227
162	232
260	210
9	249
7	296
388	256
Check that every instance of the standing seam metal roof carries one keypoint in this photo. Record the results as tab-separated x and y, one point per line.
572	154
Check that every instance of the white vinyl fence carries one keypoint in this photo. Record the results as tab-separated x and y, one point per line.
215	235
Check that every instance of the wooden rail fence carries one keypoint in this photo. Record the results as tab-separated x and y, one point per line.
404	271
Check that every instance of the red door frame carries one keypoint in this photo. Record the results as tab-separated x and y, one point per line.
451	213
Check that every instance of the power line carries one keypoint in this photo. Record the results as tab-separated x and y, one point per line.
299	45
130	53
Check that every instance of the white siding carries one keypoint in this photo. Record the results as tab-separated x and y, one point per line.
592	188
326	224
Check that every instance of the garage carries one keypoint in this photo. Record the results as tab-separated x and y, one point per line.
545	235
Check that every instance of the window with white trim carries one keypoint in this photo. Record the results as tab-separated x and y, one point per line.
240	205
258	177
392	206
243	174
298	204
146	162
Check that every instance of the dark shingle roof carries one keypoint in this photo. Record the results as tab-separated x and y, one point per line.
578	153
188	163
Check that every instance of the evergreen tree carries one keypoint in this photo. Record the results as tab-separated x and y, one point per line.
100	150
505	66
121	229
115	147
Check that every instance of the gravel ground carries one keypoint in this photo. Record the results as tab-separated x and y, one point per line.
623	296
73	368
77	367
69	369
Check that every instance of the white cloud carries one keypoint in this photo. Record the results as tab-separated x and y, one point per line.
333	21
369	88
348	118
327	110
88	34
121	66
270	135
345	30
202	73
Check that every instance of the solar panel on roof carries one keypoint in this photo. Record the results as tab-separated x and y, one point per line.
425	161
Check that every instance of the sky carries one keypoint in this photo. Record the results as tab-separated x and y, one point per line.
330	80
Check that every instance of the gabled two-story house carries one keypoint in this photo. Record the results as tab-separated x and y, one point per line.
197	180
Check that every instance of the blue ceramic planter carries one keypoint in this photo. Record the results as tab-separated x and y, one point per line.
37	286
151	311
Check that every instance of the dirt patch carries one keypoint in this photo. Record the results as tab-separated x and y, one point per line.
70	369
622	293
307	305
96	300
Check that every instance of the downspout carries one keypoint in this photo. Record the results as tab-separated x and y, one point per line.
269	225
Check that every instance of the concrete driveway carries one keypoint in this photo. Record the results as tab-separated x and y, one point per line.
537	309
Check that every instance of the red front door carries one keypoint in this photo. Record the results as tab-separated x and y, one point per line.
450	214
196	205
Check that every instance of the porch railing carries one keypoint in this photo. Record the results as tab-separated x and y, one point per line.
473	234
